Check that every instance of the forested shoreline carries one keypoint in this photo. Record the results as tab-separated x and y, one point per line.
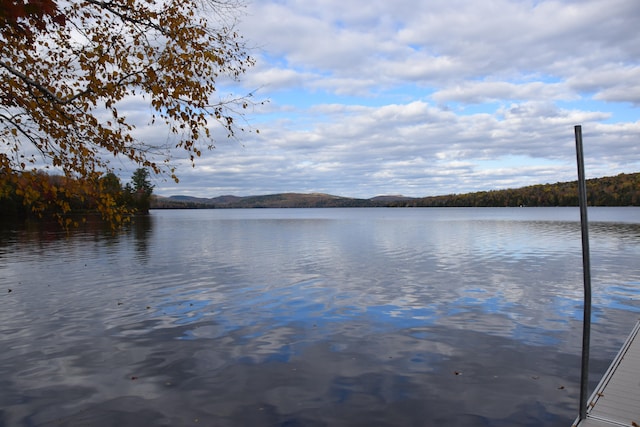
56	196
619	190
38	195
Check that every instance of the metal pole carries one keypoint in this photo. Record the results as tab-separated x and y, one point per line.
586	269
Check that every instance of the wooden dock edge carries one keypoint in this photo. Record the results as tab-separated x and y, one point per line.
593	420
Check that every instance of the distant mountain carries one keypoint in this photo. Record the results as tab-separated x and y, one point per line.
221	200
391	198
283	200
620	190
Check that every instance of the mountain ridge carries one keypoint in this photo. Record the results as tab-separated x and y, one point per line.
619	190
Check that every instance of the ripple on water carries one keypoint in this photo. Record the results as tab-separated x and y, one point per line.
394	317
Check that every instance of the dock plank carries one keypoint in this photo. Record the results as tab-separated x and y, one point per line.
616	399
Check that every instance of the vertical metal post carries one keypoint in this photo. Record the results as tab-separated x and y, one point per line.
586	269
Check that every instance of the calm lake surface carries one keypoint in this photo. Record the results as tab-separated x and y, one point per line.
312	317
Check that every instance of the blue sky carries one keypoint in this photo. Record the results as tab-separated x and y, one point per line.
425	98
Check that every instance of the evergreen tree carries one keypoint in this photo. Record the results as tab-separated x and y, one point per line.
141	189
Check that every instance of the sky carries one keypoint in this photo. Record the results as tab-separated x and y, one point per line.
423	98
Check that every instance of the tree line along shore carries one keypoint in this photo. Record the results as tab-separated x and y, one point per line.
38	195
61	198
619	190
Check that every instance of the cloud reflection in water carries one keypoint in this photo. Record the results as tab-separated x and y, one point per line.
318	317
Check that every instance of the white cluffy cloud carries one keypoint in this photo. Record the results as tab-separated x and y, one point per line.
426	98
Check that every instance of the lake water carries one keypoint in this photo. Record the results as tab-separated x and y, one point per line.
312	317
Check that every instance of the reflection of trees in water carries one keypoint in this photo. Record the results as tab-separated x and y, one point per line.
141	227
42	233
597	229
627	232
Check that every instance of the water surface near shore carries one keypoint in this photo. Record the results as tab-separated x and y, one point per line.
312	317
